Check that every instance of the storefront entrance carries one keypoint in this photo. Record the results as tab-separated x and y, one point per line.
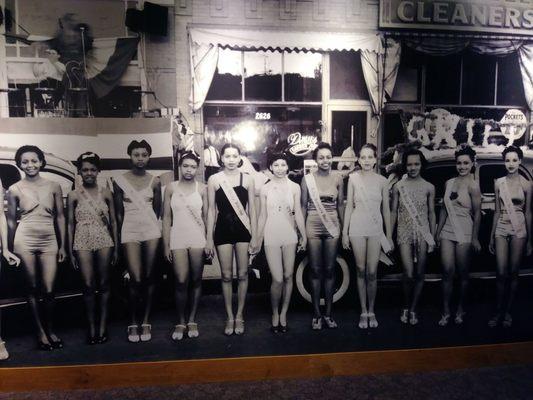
348	129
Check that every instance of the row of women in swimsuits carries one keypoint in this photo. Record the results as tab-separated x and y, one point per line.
98	219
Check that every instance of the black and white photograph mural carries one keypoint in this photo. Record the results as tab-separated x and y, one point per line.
203	179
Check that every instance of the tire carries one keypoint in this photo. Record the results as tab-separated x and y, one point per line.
342	281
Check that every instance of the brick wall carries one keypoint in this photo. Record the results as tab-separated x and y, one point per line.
334	15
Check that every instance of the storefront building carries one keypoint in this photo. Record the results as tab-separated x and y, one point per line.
465	72
279	75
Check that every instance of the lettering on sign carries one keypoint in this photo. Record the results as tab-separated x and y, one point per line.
513	125
300	145
263	116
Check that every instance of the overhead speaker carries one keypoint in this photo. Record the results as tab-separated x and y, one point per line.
155	19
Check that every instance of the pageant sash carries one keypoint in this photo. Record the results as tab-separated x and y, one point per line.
137	200
450	209
235	203
414	214
288	210
184	200
519	229
330	224
360	187
94	209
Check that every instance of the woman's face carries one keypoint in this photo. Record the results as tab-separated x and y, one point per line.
140	157
89	173
279	168
367	159
323	159
30	163
231	158
188	169
413	165
464	165
512	162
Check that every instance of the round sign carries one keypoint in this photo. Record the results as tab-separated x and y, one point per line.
513	124
300	145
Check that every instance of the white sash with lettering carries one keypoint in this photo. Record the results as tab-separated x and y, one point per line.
94	209
137	200
288	209
410	206
235	203
360	187
184	200
450	209
519	229
330	224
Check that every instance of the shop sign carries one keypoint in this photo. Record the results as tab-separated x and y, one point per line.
300	145
513	125
498	16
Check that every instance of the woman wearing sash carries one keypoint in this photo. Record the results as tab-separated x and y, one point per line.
322	205
39	237
231	226
413	209
280	211
10	258
367	210
185	207
138	201
458	229
92	233
511	232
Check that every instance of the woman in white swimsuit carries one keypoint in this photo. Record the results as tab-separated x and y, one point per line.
184	213
138	201
280	212
11	258
38	238
458	232
92	233
367	211
511	232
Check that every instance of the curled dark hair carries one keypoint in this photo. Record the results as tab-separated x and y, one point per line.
321	145
189	155
28	148
371	147
143	144
229	146
413	152
466	150
275	157
89	157
513	149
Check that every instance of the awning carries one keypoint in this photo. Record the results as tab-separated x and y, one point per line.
266	39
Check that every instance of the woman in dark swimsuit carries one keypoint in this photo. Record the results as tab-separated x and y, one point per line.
233	232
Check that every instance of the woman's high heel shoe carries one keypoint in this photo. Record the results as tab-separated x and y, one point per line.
55	342
44	346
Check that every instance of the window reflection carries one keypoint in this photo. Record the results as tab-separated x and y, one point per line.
303	76
262	71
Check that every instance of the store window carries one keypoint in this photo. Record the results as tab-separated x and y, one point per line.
262	75
407	86
444	79
346	76
227	82
303	76
262	130
479	74
510	87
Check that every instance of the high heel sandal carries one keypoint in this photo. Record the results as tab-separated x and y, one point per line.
495	321
103	338
372	321
363	321
239	326
4	355
192	330
507	320
444	319
330	323
413	320
133	334
229	328
316	324
405	316
44	346
146	332
178	332
459	317
57	343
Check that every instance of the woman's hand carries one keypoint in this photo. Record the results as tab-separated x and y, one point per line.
11	258
74	261
61	255
492	250
431	248
254	247
345	241
114	257
302	243
476	245
168	253
391	244
210	249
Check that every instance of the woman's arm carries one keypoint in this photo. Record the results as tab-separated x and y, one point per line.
347	214
251	206
299	218
8	255
475	194
158	200
443	214
60	220
340	198
261	221
71	207
211	214
205	204
303	197
431	209
12	203
108	196
118	201
495	217
394	207
385	210
528	194
167	221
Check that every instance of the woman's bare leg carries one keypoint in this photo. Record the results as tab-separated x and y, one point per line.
373	249
359	252
49	271
241	255
149	248
275	264
225	259
447	254
180	262
462	254
29	262
196	263
515	259
314	248
103	259
289	256
329	256
85	260
406	254
420	274
132	252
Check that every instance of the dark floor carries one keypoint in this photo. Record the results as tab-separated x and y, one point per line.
501	383
258	340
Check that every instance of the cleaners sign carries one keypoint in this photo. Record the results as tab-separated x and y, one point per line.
498	16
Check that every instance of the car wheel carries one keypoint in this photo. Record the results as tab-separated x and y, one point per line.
303	281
